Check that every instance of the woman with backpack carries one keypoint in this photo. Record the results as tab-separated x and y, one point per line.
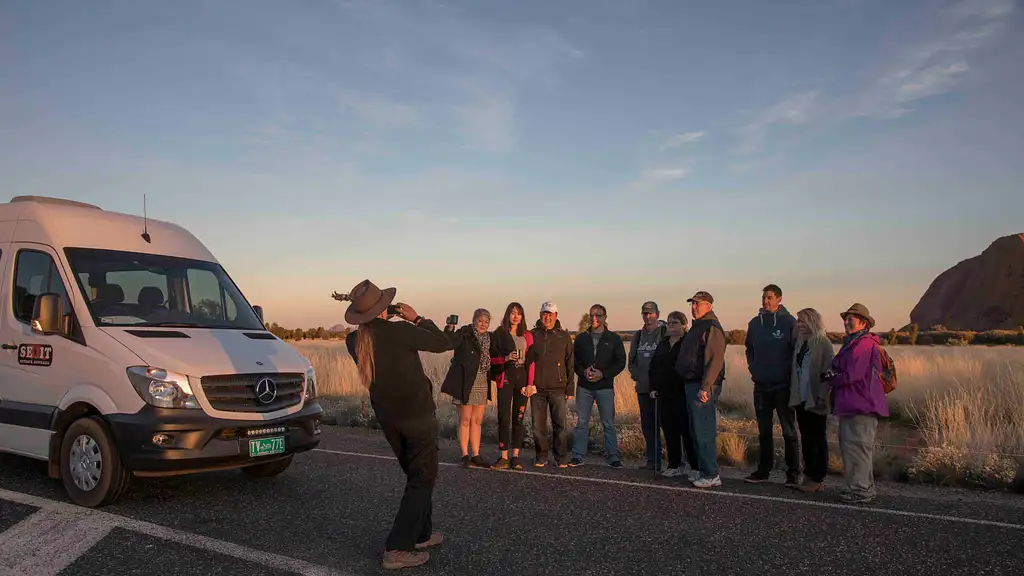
809	394
858	396
468	382
514	381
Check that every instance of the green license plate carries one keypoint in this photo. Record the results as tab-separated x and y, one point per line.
266	446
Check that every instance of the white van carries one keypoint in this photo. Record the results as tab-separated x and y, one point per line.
125	348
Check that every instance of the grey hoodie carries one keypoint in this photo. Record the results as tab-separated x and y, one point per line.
770	342
641	350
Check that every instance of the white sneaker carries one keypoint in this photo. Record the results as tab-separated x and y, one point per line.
672	472
693	476
703	482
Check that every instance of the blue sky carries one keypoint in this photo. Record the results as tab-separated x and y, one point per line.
473	153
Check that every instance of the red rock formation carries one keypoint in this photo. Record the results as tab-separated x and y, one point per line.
985	292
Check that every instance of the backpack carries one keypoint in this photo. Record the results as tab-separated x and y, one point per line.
888	373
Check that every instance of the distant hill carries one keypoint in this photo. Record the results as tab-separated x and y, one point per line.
337	328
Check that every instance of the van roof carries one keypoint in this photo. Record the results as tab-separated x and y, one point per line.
63	223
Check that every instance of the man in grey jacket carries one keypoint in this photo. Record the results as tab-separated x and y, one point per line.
641	350
771	337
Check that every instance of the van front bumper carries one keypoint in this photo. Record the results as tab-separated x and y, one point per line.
165	442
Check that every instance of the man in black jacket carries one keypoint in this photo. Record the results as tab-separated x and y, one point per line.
701	364
771	337
599	356
552	356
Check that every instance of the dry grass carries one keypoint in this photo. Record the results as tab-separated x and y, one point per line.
967	402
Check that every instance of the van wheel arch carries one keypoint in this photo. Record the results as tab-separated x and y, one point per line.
60	427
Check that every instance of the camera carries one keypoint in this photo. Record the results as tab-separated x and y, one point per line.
393	310
452	320
829	375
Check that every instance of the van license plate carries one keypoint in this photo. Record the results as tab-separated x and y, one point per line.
266	446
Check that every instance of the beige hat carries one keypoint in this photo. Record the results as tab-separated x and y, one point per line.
862	311
368	302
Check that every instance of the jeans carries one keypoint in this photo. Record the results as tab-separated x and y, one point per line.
415	445
555	403
704	427
511	409
675	422
606	408
766	405
814	443
647	424
857	444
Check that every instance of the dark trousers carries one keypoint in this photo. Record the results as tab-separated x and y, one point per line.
766	405
675	422
415	445
814	442
541	404
647	424
511	409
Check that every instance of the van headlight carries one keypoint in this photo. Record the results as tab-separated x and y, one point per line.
161	388
310	383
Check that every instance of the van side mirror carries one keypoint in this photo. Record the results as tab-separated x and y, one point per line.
47	317
259	312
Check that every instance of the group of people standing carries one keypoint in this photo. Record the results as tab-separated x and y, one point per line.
678	371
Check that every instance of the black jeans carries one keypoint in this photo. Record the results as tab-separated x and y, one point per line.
648	425
766	405
511	409
415	444
814	442
542	403
675	422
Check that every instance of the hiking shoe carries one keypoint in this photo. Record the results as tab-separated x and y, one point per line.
501	464
672	472
616	464
693	476
465	462
705	482
563	464
479	462
398	559
757	477
851	498
435	539
792	481
514	464
576	462
540	463
811	486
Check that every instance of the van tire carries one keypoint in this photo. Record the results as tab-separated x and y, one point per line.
269	469
113	477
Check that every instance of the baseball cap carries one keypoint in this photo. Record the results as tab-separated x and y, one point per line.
649	307
702	296
548	307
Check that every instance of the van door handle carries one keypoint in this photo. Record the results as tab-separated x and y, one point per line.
8	346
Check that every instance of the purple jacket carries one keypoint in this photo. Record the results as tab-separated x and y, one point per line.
858	387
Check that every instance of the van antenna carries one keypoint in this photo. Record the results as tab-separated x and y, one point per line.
145	222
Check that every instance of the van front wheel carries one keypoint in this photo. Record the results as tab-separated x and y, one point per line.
269	469
90	466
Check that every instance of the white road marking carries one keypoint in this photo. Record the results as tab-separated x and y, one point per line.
49	541
722	493
70	519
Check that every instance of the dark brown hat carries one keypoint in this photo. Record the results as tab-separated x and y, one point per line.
368	302
702	296
862	311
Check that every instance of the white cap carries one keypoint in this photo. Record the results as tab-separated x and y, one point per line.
548	307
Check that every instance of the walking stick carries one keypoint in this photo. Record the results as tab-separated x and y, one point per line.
657	438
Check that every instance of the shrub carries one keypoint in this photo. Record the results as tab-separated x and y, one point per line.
913	334
892	340
737	337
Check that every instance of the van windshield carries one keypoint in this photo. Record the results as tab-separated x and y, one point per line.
134	289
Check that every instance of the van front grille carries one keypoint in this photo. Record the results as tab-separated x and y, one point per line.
253	392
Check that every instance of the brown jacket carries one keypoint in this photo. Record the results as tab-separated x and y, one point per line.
819	359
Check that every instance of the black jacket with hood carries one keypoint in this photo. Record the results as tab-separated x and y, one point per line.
552	357
770	340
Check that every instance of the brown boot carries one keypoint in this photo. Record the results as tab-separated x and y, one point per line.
435	539
810	486
397	559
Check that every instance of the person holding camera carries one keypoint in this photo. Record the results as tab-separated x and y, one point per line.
387	357
468	382
858	401
514	382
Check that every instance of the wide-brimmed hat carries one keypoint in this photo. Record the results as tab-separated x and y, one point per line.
368	301
862	311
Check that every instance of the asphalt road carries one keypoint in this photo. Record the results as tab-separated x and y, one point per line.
330	513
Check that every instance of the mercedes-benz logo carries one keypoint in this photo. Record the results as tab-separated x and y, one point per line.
266	390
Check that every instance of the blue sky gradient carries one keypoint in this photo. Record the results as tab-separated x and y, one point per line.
473	153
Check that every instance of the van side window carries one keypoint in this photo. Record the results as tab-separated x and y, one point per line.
35	274
207	297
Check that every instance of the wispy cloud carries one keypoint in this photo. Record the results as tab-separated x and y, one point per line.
488	121
661	175
682	140
795	110
378	109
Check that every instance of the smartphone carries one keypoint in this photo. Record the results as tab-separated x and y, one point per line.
452	320
393	310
